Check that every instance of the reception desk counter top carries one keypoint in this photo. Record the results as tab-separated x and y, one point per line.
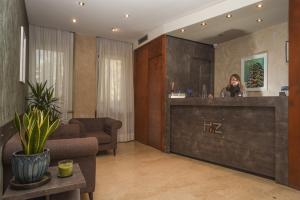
238	101
248	134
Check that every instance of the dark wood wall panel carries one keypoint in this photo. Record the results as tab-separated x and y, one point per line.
155	47
141	94
164	95
155	102
294	94
149	81
157	79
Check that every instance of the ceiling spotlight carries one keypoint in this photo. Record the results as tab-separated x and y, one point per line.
74	20
203	24
259	20
228	15
182	30
126	16
115	29
260	5
81	3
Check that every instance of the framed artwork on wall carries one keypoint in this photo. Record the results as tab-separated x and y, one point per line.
255	72
22	76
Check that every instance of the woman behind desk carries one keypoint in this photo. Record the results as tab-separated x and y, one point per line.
234	87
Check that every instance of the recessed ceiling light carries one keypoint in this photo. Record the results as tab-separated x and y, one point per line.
259	20
81	3
260	5
126	16
228	15
203	24
182	30
115	29
74	20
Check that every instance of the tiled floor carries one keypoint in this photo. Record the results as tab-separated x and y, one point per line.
141	172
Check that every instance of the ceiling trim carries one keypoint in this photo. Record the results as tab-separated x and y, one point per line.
202	15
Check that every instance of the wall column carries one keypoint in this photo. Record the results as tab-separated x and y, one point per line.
294	94
84	95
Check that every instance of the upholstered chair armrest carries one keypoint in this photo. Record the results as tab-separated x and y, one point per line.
13	145
112	123
72	148
66	131
111	127
81	126
59	149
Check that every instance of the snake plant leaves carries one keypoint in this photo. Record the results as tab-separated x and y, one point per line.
37	128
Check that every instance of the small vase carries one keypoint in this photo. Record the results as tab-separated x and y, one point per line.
30	168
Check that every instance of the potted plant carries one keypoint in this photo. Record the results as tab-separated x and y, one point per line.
42	97
29	165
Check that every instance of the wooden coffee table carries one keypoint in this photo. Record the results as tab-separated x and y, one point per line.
57	188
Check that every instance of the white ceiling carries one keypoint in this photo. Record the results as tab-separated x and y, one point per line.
243	21
98	17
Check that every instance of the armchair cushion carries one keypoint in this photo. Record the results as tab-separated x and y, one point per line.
104	129
101	136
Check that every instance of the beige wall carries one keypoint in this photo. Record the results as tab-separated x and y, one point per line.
84	100
272	40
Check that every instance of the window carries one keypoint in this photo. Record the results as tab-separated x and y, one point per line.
113	69
50	67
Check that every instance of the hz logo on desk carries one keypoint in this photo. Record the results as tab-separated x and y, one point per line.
212	127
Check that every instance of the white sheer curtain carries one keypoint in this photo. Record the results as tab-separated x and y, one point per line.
51	60
115	84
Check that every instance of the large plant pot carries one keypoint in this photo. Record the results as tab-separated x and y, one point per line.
30	168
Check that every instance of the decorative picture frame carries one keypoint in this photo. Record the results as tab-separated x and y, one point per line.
254	71
22	75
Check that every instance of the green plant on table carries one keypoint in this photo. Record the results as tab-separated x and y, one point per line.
42	97
34	130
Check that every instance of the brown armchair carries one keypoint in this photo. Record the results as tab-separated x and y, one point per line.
104	129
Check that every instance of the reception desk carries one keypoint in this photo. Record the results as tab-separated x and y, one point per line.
249	134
